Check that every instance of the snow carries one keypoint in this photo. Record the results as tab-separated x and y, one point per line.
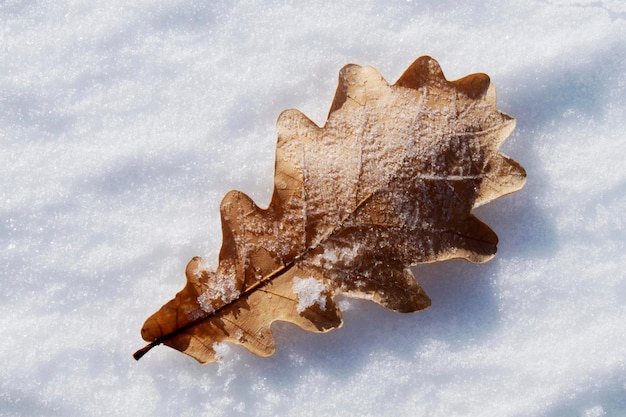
309	292
222	287
123	125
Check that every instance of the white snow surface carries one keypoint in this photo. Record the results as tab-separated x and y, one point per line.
122	125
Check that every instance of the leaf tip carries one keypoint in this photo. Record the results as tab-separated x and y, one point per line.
422	71
357	83
293	122
341	94
474	86
506	128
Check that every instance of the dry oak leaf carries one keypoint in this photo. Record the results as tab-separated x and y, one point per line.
388	182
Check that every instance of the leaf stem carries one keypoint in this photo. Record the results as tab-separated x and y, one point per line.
139	354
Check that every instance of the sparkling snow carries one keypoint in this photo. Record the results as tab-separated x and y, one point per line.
123	124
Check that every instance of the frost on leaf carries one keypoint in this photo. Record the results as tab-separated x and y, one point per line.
388	182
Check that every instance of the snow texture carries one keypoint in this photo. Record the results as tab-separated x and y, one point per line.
222	286
309	292
122	125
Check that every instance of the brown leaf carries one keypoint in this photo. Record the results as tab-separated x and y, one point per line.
388	182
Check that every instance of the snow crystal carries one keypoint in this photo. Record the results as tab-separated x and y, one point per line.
334	255
201	267
596	411
221	287
309	292
330	256
194	313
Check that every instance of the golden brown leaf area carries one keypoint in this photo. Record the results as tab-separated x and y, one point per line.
388	182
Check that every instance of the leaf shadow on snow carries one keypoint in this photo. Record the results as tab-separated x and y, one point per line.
538	97
463	311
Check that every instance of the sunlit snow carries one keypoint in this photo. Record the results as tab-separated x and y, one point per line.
123	124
